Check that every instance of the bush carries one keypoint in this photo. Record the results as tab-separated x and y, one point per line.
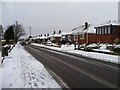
116	48
92	46
81	46
117	41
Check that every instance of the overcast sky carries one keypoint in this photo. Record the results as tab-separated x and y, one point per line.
1	13
45	17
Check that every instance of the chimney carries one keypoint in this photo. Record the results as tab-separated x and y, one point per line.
86	25
59	31
48	34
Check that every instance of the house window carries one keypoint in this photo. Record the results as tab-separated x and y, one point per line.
109	30
81	36
97	32
106	30
100	31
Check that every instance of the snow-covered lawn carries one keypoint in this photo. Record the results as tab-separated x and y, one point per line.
94	55
21	70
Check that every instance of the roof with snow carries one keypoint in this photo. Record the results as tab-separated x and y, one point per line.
110	22
55	35
81	30
43	37
66	33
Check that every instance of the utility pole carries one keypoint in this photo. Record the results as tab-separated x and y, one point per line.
30	31
86	27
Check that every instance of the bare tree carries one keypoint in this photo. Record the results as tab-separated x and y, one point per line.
18	31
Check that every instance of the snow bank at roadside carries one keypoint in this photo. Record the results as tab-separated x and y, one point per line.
21	70
62	48
94	55
99	56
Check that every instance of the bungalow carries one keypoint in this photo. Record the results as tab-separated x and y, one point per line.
43	39
40	39
84	35
55	38
108	32
67	36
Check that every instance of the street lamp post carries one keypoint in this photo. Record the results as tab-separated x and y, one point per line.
30	31
86	27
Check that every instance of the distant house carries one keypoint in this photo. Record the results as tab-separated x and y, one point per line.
68	36
83	35
40	39
55	38
43	39
108	32
105	33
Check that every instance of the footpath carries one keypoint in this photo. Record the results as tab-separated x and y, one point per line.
21	70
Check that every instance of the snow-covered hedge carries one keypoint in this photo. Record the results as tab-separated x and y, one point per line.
91	46
103	47
117	46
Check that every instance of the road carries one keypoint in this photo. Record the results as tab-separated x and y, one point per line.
76	72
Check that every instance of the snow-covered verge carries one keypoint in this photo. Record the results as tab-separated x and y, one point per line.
21	70
94	55
99	56
63	48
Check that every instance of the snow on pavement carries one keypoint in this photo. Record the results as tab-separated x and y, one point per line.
94	55
21	70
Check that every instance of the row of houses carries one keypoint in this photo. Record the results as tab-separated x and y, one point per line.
104	33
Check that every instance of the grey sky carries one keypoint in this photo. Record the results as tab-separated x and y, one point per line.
45	17
1	13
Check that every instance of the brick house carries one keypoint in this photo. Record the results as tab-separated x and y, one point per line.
108	32
82	35
43	39
55	38
68	36
40	39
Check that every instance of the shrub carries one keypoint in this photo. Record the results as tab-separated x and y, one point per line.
117	41
116	48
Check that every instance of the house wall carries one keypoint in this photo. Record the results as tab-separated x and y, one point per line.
56	40
109	38
103	38
91	38
116	33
